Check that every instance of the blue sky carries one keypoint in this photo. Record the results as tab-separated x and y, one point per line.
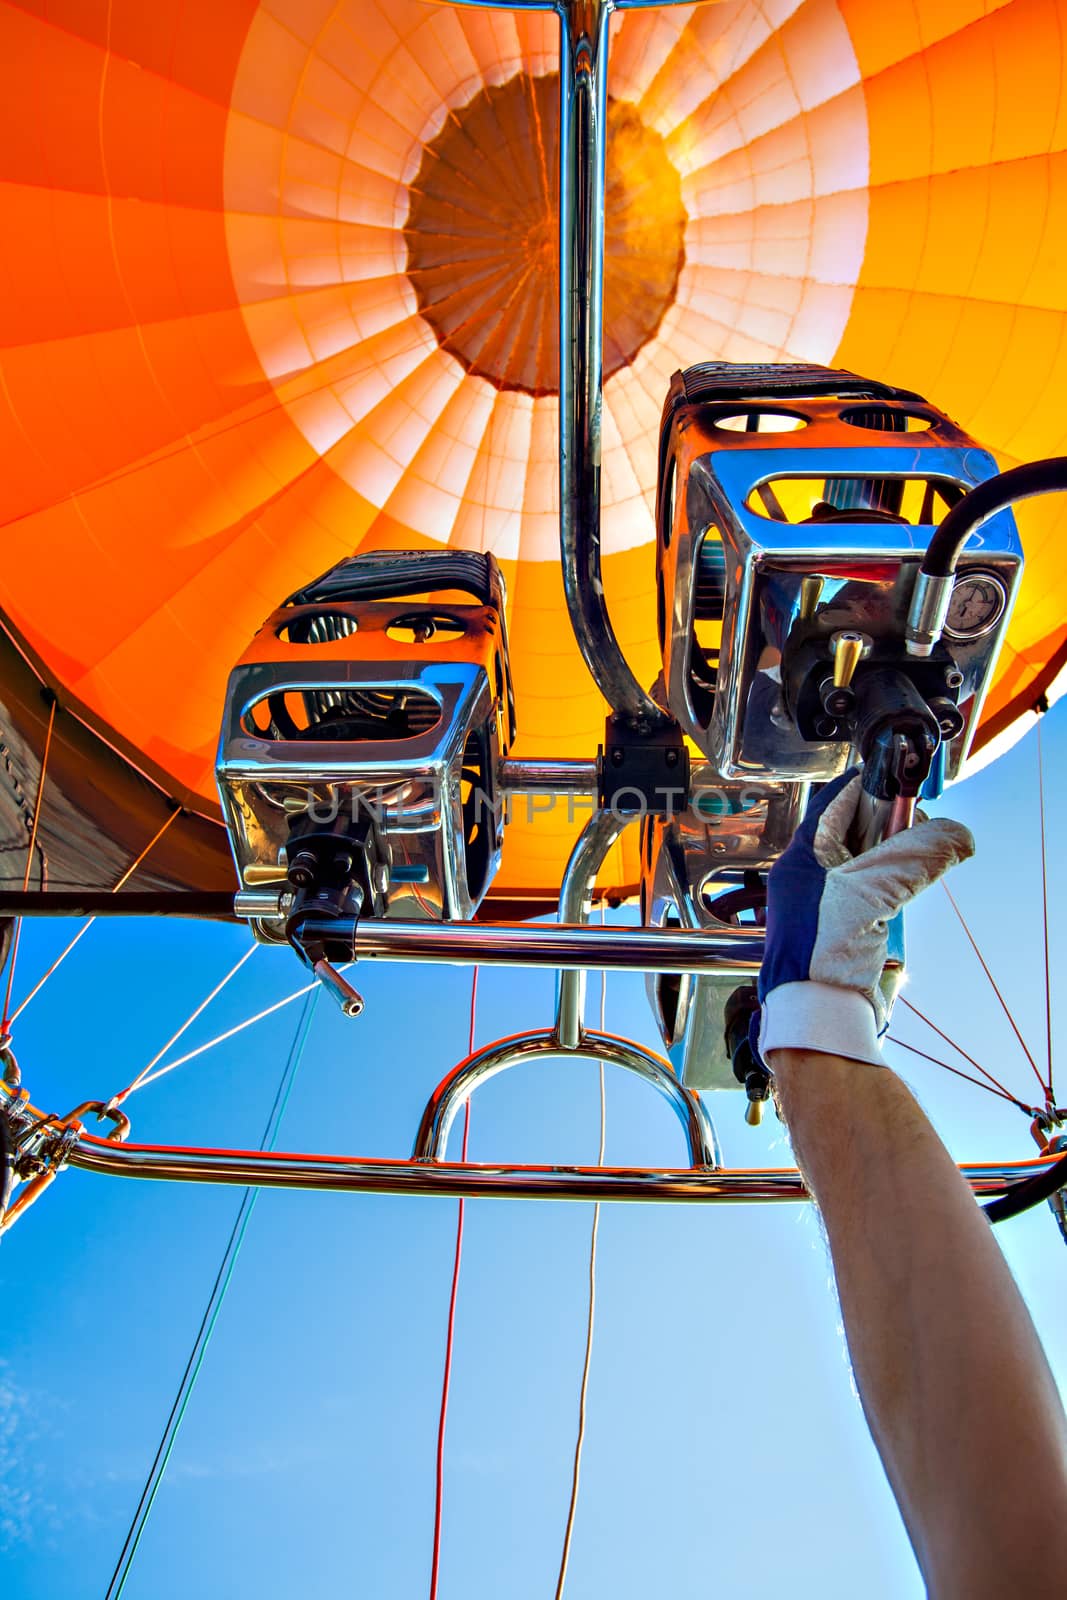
726	1453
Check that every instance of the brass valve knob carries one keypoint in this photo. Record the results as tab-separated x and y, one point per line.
848	650
810	595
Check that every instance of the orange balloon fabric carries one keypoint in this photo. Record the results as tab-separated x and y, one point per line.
278	285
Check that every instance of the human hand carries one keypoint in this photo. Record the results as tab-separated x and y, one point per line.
827	918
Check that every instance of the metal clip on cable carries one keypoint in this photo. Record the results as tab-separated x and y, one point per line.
47	1144
11	1076
104	1111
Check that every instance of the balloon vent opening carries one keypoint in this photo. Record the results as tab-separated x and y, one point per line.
482	234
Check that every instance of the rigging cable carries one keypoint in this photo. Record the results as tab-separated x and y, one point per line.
146	1075
211	1313
446	1377
995	1082
87	924
5	1023
1047	1185
583	1391
1002	1094
239	1027
1003	1003
1044	911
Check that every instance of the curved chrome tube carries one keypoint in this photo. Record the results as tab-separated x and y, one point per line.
582	119
582	116
456	1089
473	1180
586	859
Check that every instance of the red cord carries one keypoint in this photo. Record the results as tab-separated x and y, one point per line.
5	1021
450	1335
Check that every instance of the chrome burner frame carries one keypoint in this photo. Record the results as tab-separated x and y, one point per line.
703	1181
698	951
56	1144
781	577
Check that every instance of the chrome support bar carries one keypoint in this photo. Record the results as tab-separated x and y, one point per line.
455	1090
474	1180
339	989
264	901
575	897
545	776
582	116
541	944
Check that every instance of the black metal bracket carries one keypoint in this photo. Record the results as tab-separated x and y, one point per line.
338	871
642	773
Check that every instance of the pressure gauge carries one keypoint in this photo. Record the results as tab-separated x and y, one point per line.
979	600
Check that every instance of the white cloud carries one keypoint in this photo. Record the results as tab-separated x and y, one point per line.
24	1505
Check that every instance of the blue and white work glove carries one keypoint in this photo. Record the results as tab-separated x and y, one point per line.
827	918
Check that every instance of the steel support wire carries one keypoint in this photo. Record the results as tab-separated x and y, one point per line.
590	1325
84	929
450	1331
1049	1089
211	1314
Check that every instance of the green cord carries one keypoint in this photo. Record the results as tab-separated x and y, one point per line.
211	1313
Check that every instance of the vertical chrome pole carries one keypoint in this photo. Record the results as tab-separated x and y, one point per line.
582	113
575	896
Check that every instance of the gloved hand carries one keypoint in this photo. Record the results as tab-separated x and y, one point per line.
827	915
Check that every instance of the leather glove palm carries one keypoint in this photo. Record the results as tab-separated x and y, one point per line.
827	917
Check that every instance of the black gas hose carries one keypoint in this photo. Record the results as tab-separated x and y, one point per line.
982	502
7	1164
933	585
1022	1196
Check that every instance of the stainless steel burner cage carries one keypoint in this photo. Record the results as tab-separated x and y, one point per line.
361	698
880	467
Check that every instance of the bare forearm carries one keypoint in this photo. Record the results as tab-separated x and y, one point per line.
954	1382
